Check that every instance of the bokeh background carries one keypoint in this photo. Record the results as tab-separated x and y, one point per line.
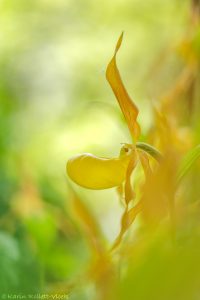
54	103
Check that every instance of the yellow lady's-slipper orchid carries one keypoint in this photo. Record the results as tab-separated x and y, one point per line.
98	173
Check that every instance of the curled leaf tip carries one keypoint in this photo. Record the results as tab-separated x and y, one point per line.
119	42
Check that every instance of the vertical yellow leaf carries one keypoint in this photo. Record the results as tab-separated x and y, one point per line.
127	219
89	225
129	193
127	106
144	159
120	192
159	190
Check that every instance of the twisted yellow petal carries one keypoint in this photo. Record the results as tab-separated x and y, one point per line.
127	106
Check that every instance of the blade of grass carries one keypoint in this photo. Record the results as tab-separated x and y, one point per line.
188	162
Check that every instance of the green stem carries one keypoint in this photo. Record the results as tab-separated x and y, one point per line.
150	150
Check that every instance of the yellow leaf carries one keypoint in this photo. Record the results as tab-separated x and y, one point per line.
120	192
127	219
159	190
144	159
89	225
127	106
129	193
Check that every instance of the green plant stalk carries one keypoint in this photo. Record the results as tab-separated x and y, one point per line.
150	150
